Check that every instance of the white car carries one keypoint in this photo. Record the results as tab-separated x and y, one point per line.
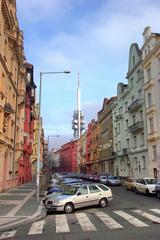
103	179
145	185
80	196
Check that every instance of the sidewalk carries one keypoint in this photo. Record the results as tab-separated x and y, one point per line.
19	206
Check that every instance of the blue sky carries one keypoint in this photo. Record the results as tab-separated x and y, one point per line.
91	37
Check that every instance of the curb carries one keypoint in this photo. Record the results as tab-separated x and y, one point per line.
40	214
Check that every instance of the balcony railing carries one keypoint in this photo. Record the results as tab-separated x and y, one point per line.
138	126
135	105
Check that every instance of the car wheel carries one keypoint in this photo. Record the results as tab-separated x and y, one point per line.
147	192
68	208
136	191
158	194
103	203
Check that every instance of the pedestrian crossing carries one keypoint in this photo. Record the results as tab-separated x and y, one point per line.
90	222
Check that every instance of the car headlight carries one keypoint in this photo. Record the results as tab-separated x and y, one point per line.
57	203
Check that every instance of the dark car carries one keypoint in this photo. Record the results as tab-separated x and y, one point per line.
157	189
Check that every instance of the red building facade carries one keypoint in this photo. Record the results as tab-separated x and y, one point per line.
68	157
88	148
24	170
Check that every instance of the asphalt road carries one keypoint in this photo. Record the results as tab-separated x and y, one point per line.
129	216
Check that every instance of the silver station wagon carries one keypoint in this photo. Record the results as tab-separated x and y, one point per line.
80	196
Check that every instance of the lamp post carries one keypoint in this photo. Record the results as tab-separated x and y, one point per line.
39	128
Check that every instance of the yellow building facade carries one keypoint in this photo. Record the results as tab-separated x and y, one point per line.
12	94
34	155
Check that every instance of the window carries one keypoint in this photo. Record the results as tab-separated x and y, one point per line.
139	166
120	110
119	146
140	93
149	74
128	143
132	99
133	60
143	162
141	116
142	139
126	106
131	80
83	190
148	48
154	150
134	142
94	189
138	75
134	119
151	125
149	97
135	163
127	124
104	188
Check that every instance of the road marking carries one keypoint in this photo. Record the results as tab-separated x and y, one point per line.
85	223
155	210
108	221
36	228
61	224
134	221
147	215
8	234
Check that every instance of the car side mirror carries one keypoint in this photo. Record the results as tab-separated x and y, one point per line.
79	193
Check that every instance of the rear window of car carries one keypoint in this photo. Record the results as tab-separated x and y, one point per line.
104	188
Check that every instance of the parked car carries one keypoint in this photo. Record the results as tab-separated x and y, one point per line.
96	178
113	181
80	196
103	179
130	184
157	189
145	185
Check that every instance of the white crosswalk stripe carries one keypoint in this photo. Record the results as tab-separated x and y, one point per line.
61	224
8	234
108	221
134	221
63	221
155	210
36	228
85	223
147	215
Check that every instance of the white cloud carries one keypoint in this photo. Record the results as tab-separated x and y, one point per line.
37	10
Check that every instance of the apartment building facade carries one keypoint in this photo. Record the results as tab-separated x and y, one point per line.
151	69
12	94
129	123
105	143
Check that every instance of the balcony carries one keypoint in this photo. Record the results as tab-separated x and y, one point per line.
135	105
136	127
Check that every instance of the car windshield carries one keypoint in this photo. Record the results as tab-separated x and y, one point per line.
70	190
151	181
112	178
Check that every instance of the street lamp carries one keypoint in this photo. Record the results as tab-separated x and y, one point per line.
39	128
